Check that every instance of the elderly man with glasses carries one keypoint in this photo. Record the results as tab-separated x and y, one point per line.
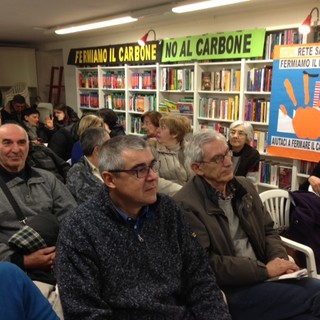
127	253
243	249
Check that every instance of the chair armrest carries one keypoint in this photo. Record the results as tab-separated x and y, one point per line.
311	263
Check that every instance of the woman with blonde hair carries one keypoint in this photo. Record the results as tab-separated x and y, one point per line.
87	121
168	149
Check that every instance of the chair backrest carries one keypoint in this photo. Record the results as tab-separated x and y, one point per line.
277	203
45	109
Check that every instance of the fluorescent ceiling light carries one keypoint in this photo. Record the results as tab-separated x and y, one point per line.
96	25
204	5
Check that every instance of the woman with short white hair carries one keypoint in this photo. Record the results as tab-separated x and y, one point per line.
245	157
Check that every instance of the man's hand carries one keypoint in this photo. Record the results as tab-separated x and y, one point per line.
280	266
40	259
315	183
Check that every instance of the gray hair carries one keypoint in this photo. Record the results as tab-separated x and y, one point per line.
247	128
110	155
193	148
91	138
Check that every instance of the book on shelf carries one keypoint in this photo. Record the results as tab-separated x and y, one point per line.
285	177
164	79
180	79
307	167
163	108
274	174
171	105
185	107
206	81
217	81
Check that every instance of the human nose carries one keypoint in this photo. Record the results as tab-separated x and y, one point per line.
152	174
15	147
227	160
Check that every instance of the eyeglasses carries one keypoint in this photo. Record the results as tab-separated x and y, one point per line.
142	171
218	159
239	133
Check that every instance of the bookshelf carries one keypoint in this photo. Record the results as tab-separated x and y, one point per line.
177	89
219	98
210	94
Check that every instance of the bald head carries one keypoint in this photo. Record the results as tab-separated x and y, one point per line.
14	147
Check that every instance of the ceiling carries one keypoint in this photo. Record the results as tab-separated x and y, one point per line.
32	22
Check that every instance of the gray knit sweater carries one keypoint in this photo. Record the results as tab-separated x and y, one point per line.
105	272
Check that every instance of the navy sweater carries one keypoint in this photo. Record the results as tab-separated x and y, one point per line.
105	272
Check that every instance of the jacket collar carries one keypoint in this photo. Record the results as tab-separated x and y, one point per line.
25	174
210	194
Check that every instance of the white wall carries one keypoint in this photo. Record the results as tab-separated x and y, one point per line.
17	65
45	61
284	16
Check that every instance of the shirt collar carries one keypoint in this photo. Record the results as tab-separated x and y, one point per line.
95	171
146	213
216	194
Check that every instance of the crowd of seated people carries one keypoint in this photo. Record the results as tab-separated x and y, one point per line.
150	198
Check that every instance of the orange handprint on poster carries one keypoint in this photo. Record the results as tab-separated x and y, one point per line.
305	120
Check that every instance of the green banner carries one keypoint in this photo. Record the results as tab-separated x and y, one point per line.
231	45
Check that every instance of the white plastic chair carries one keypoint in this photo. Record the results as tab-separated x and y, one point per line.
45	109
277	203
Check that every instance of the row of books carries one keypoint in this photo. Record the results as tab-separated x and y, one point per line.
115	101
289	36
222	109
307	167
257	110
88	79
145	80
89	100
215	126
113	80
122	119
259	79
177	79
184	105
221	80
260	141
275	174
142	102
136	125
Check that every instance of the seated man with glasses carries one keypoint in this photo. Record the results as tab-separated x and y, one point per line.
127	252
243	249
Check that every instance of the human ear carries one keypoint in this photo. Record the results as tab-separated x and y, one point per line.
196	168
108	179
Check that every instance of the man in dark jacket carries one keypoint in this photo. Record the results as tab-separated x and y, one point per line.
63	140
12	112
243	249
84	179
127	252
